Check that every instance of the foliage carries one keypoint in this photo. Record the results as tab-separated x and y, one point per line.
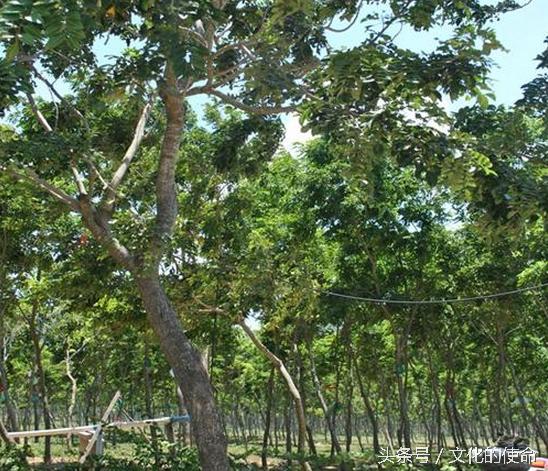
395	198
13	459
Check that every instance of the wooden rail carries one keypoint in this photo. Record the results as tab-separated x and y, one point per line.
92	428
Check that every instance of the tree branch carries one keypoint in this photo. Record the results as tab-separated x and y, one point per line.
259	110
38	114
98	224
352	22
60	97
389	23
43	184
110	195
30	176
78	179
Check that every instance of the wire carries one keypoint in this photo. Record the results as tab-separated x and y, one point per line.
434	301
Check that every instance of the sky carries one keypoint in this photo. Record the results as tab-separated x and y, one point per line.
522	33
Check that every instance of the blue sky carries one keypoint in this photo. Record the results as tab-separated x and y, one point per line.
521	32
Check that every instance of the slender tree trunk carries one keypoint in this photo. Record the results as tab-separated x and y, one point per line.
189	372
287	427
4	435
338	367
483	432
34	399
328	422
184	427
302	387
73	388
269	401
348	411
531	418
147	378
401	367
11	410
369	409
293	390
41	380
73	393
388	415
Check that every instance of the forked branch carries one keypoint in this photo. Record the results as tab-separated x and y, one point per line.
117	178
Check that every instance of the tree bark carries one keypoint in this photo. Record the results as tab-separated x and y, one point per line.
189	372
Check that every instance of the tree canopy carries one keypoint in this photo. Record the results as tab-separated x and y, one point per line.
156	239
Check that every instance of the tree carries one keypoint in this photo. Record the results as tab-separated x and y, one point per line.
264	59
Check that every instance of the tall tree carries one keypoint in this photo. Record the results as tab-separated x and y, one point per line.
263	58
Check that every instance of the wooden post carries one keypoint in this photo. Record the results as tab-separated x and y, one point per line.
97	435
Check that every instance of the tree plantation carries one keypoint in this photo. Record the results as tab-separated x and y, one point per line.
181	291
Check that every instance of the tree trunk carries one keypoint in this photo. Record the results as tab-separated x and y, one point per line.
287	428
404	432
4	435
73	393
73	389
147	378
293	390
349	393
269	401
41	381
531	418
369	409
12	412
328	422
302	387
189	372
184	427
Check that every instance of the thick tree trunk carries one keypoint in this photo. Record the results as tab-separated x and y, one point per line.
189	372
